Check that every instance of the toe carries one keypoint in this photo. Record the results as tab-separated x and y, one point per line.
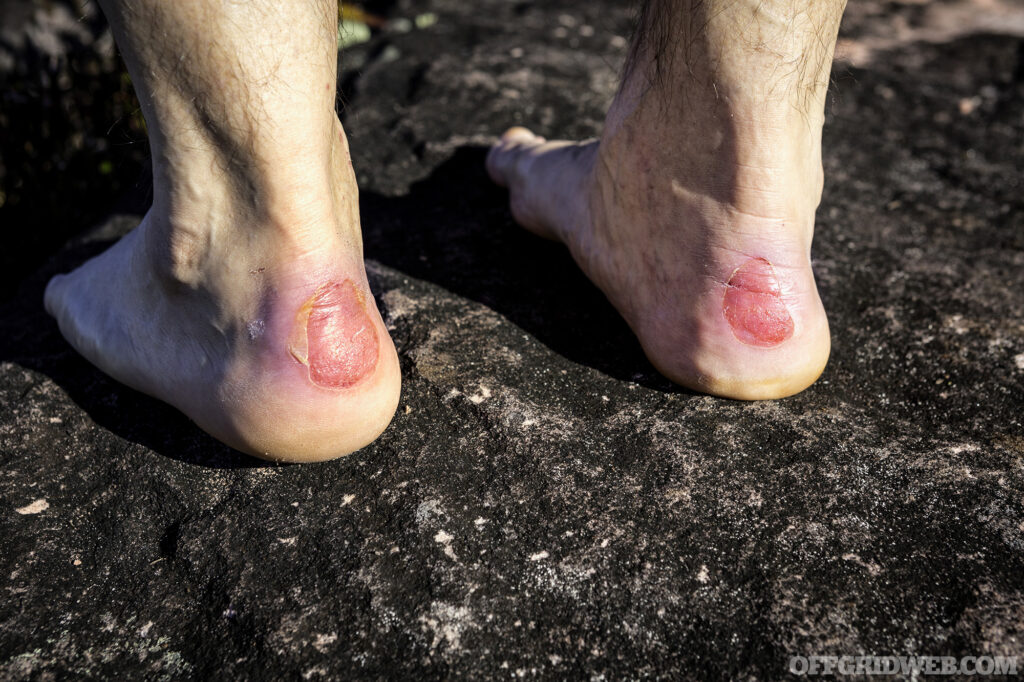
519	134
503	155
54	294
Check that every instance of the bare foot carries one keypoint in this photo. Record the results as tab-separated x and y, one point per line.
241	299
694	212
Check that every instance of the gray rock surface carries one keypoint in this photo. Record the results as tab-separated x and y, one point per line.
544	503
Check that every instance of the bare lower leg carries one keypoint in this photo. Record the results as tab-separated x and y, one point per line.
241	298
695	211
743	73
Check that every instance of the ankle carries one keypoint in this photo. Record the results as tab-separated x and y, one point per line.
281	215
746	171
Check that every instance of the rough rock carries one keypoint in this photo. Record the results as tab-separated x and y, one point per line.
544	503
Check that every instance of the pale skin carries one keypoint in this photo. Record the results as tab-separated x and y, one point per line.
710	161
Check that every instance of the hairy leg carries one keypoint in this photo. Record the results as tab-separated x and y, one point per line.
694	212
241	298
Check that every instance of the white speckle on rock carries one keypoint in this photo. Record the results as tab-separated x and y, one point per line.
1019	360
288	542
958	324
400	305
870	566
445	539
479	521
543	554
702	575
483	395
447	623
34	507
427	509
347	499
323	642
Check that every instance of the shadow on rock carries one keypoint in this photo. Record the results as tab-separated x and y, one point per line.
30	338
454	229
